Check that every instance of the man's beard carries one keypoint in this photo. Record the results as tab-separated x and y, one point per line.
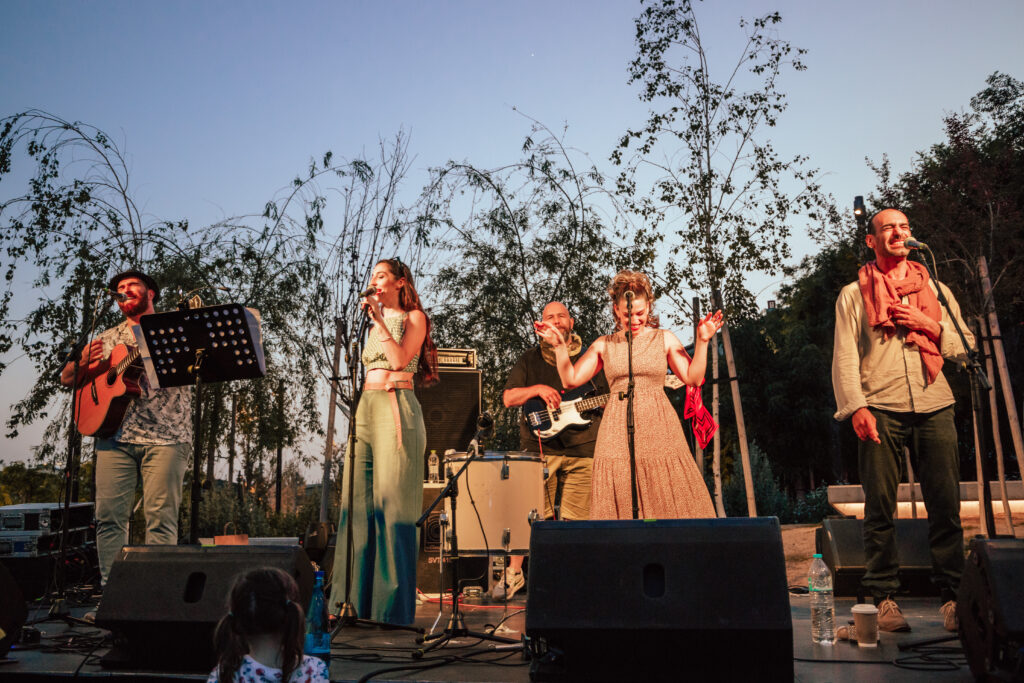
134	307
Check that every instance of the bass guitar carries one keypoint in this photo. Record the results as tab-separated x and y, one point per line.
546	423
107	391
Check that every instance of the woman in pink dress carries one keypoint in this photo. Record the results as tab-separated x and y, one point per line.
669	485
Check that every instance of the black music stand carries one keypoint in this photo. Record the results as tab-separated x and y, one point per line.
196	346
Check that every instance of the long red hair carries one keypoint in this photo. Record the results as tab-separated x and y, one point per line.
409	300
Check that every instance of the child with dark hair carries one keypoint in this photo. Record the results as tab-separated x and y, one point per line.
260	638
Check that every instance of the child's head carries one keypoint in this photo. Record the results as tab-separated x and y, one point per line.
262	601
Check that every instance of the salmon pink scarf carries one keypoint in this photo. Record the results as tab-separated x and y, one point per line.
881	292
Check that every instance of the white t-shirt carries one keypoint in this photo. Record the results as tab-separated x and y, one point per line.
311	670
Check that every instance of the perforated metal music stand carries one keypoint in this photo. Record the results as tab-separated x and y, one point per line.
197	346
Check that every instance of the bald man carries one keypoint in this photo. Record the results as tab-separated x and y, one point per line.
568	455
891	338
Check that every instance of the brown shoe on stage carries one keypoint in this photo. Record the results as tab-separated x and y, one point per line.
950	622
890	618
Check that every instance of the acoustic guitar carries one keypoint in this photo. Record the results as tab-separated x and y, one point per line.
107	391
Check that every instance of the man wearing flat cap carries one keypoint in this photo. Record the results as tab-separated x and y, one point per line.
154	439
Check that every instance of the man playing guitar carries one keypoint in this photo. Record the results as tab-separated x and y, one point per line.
568	455
154	438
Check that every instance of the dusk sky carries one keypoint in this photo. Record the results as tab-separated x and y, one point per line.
217	105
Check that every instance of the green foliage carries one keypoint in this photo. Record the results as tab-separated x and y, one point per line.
20	484
771	499
76	224
813	507
225	509
531	235
713	174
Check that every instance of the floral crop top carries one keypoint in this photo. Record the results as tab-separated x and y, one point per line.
373	352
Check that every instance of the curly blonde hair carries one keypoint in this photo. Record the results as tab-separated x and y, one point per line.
636	282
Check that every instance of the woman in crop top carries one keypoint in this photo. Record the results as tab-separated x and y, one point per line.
390	442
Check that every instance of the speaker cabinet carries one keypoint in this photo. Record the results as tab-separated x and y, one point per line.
663	600
841	544
450	410
163	602
990	606
472	570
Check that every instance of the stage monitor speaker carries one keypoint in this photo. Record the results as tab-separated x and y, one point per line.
13	611
659	600
450	410
841	544
163	602
990	606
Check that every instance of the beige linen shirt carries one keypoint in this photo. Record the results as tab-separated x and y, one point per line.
868	370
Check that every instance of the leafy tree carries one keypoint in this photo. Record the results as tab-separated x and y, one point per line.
963	197
522	235
76	223
20	483
719	197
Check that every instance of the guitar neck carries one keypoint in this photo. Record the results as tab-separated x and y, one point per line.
132	356
584	404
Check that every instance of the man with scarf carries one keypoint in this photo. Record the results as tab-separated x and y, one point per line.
569	455
891	338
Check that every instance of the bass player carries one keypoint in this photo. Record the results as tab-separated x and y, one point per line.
154	438
568	455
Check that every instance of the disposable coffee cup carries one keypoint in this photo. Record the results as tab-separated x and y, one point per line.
865	623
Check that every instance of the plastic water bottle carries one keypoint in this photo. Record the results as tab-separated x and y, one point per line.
823	609
318	636
433	468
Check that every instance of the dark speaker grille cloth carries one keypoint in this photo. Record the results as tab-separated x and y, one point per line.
450	410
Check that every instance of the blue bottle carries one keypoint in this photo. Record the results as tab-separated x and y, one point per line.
318	635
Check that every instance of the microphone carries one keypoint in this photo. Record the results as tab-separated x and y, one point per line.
367	292
117	296
629	295
485	421
914	244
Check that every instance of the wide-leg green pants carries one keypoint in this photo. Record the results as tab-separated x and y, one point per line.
387	501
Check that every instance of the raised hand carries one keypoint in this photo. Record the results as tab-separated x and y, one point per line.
548	333
711	324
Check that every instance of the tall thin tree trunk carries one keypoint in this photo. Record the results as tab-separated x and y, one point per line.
280	445
325	480
741	430
997	441
716	462
231	438
1000	356
216	414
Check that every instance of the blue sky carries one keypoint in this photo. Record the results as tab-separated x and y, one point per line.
218	104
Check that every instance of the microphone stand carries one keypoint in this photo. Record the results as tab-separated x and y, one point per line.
456	627
58	606
347	613
628	397
979	381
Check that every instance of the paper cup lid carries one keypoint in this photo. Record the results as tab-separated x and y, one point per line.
864	608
